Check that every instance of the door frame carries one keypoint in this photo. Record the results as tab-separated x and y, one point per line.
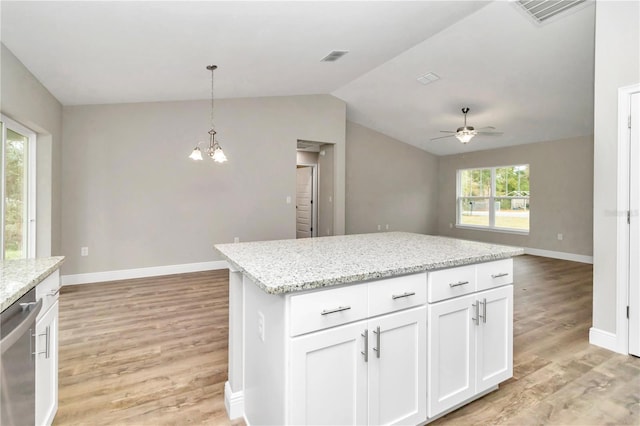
622	227
314	197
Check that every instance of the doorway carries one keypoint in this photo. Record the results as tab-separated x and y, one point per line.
306	216
320	158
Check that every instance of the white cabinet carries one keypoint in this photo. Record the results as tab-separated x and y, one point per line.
397	368
369	372
329	377
469	346
47	351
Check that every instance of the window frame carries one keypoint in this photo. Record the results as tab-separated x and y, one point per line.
29	223
492	197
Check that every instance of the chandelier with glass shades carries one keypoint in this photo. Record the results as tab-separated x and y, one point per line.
214	150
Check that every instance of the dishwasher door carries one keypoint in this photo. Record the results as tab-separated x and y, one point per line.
17	362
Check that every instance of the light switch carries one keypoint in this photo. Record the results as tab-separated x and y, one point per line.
288	199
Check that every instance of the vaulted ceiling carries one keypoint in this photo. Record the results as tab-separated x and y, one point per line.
533	82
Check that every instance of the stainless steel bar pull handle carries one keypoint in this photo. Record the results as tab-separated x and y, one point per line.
476	306
47	341
366	345
501	274
400	296
54	292
459	283
377	348
333	311
484	310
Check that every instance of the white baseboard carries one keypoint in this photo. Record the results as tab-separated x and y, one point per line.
604	339
559	255
154	271
233	402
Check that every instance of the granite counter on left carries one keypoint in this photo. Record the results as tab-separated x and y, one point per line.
19	276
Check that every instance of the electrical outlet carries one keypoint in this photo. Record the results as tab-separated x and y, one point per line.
261	325
236	239
386	227
288	199
379	227
450	225
560	237
84	251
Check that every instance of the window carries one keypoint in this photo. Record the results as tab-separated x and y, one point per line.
18	191
494	198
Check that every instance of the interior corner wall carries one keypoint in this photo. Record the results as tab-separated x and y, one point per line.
27	101
135	200
617	64
389	183
561	178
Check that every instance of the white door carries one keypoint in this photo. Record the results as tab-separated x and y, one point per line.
495	337
397	368
329	377
304	202
451	334
634	228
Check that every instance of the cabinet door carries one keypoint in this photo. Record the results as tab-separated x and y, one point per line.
397	368
47	366
328	377
451	347
495	337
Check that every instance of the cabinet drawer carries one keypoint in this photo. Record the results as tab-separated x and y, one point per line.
48	290
327	308
494	274
393	294
452	282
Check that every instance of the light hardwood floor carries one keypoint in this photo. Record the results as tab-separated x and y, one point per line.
154	351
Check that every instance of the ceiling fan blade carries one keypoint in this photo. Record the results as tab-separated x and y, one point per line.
442	137
486	128
490	133
447	131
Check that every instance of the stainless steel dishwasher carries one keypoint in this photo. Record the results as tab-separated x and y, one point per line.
18	363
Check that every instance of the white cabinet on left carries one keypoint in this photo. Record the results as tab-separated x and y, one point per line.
47	350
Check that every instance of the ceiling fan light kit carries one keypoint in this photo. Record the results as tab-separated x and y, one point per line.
465	133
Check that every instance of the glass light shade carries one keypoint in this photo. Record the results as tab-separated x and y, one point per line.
465	136
196	154
218	155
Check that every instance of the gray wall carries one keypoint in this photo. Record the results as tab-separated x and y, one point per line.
561	178
617	65
133	197
28	102
326	171
389	182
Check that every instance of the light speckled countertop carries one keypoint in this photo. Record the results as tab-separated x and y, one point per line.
285	266
19	276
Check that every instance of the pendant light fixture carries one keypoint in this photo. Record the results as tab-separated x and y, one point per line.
214	150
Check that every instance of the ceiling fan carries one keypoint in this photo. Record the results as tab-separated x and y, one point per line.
466	133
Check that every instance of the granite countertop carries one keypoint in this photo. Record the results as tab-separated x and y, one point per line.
19	276
285	266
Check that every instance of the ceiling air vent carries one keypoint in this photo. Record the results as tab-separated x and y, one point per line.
428	78
334	56
541	10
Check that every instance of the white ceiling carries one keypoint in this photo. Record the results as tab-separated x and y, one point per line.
533	82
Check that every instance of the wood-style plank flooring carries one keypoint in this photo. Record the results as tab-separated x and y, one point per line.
154	351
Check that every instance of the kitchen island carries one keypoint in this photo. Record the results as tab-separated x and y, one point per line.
382	328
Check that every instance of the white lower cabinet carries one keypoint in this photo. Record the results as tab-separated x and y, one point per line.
369	372
47	366
470	346
47	350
